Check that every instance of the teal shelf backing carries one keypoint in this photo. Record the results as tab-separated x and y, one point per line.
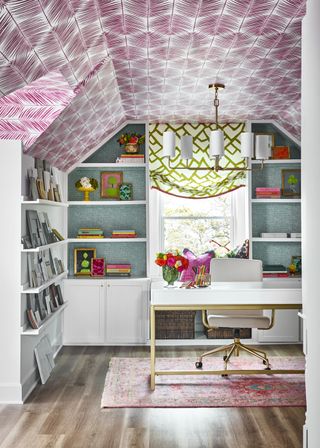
134	176
107	218
276	217
270	176
280	138
135	254
275	253
109	152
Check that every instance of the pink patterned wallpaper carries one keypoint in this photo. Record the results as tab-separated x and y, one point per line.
72	71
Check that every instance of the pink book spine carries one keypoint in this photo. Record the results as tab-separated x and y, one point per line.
118	266
269	190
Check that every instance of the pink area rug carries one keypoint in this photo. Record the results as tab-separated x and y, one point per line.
127	385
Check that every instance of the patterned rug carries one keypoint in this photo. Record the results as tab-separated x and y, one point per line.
127	385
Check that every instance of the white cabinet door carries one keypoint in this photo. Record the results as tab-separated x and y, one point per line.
286	328
127	311
84	315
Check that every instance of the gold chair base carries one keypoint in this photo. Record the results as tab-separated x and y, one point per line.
235	348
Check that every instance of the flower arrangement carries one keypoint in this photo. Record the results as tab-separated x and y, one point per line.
86	184
131	138
172	264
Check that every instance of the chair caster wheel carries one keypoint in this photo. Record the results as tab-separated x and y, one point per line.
224	375
265	362
267	368
225	357
199	365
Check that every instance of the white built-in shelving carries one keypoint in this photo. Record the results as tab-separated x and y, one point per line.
44	202
112	165
107	202
276	240
36	331
45	285
276	201
107	240
47	246
276	161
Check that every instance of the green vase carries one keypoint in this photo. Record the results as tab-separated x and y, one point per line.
170	275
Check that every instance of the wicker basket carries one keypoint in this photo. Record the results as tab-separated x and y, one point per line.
227	333
175	324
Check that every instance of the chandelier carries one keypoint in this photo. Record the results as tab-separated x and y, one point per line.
256	147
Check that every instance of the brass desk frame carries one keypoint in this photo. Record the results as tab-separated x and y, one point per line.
154	308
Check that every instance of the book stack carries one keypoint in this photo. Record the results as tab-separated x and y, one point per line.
124	234
274	235
88	232
275	271
131	158
268	193
119	270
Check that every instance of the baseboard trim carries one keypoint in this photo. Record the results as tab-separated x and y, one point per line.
10	393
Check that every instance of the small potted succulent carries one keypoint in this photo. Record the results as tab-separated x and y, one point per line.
131	142
86	185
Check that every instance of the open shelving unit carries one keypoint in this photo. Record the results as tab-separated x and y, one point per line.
112	214
45	323
40	288
281	215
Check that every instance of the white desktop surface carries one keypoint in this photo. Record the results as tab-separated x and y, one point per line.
230	293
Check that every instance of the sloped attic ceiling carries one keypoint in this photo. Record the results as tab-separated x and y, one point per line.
146	60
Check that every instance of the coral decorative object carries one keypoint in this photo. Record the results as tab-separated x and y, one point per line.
86	185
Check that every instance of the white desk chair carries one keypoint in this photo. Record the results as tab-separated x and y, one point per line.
236	270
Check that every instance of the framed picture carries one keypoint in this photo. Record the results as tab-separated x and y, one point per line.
110	184
280	152
297	261
291	183
82	260
125	192
97	267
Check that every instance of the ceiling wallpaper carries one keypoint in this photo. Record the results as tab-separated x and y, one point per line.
73	71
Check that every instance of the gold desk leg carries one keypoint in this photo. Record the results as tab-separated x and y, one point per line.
152	347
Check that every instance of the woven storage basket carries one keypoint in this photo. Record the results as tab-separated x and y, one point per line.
227	333
175	324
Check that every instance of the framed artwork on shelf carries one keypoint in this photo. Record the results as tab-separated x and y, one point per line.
97	267
33	225
296	260
125	192
280	152
110	184
291	183
82	260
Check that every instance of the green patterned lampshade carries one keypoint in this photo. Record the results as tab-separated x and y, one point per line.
199	183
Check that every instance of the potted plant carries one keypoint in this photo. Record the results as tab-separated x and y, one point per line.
131	142
86	185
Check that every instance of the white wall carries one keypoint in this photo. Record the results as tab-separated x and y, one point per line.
311	212
10	387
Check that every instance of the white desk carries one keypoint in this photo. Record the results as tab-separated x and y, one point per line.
232	295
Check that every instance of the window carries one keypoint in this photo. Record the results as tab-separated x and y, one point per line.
198	224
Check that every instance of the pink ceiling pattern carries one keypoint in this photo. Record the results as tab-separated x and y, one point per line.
145	60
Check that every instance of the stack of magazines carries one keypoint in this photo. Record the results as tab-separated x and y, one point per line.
131	158
88	232
275	271
118	270
268	193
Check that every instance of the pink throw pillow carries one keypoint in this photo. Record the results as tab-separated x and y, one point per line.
195	262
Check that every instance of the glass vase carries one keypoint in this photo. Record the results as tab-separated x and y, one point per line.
170	275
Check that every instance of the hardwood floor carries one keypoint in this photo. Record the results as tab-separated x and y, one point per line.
66	413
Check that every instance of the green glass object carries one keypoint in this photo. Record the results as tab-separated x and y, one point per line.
170	275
